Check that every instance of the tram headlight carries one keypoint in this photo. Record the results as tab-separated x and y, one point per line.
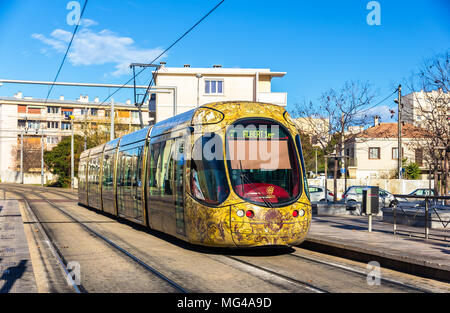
240	213
301	213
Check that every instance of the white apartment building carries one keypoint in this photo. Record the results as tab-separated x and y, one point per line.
417	106
192	87
176	90
36	119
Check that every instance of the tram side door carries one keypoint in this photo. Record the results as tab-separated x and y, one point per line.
179	166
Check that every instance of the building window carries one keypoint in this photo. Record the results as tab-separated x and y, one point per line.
34	125
395	153
135	114
67	113
84	111
53	125
419	157
52	110
21	123
213	86
65	126
94	112
52	140
374	153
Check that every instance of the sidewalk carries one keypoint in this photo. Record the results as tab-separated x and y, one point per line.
407	251
16	270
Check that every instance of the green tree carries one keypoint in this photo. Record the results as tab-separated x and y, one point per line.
412	171
58	159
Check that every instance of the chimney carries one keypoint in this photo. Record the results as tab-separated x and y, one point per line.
96	100
187	65
376	121
18	95
84	99
61	98
217	66
128	101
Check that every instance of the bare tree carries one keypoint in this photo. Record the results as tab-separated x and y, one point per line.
430	109
338	110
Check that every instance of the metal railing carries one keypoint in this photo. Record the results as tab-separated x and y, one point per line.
426	206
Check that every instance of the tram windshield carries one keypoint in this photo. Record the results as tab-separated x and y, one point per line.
263	163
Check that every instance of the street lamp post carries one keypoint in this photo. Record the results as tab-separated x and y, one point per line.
21	158
71	156
198	88
42	157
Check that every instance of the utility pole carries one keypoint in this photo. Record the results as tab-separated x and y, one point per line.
85	128
21	158
111	136
198	89
72	163
42	157
316	162
139	105
399	151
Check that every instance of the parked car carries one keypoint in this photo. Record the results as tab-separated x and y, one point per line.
411	202
317	194
354	194
422	192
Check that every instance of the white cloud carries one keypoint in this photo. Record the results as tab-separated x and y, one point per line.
98	48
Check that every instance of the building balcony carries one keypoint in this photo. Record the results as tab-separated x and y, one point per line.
278	98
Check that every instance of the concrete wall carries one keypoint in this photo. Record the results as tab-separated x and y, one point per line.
29	178
394	186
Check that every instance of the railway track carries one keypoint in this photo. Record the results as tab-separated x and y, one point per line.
63	263
266	271
360	272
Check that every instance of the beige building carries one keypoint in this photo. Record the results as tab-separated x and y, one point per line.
183	89
38	120
316	128
374	152
417	107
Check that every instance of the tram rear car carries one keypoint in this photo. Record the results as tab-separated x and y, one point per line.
225	174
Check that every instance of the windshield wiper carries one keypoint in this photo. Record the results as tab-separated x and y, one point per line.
249	182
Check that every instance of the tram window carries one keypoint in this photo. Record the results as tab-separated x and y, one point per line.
263	162
300	152
208	178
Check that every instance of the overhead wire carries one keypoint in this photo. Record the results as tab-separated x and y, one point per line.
164	52
67	51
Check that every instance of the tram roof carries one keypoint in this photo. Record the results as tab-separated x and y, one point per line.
178	121
136	136
112	144
96	150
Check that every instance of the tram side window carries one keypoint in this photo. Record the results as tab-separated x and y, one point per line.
300	152
160	180
108	171
208	179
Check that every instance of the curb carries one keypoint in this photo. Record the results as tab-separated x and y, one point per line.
416	267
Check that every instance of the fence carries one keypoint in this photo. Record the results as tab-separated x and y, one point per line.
427	212
395	186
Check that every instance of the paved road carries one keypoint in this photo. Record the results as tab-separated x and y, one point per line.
75	231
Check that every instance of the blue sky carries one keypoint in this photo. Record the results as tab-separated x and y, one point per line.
320	44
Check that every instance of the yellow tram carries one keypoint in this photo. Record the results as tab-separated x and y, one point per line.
225	174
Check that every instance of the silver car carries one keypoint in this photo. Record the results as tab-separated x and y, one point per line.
354	194
317	194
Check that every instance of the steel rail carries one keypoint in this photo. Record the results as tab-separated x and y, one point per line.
54	249
125	252
291	280
356	271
